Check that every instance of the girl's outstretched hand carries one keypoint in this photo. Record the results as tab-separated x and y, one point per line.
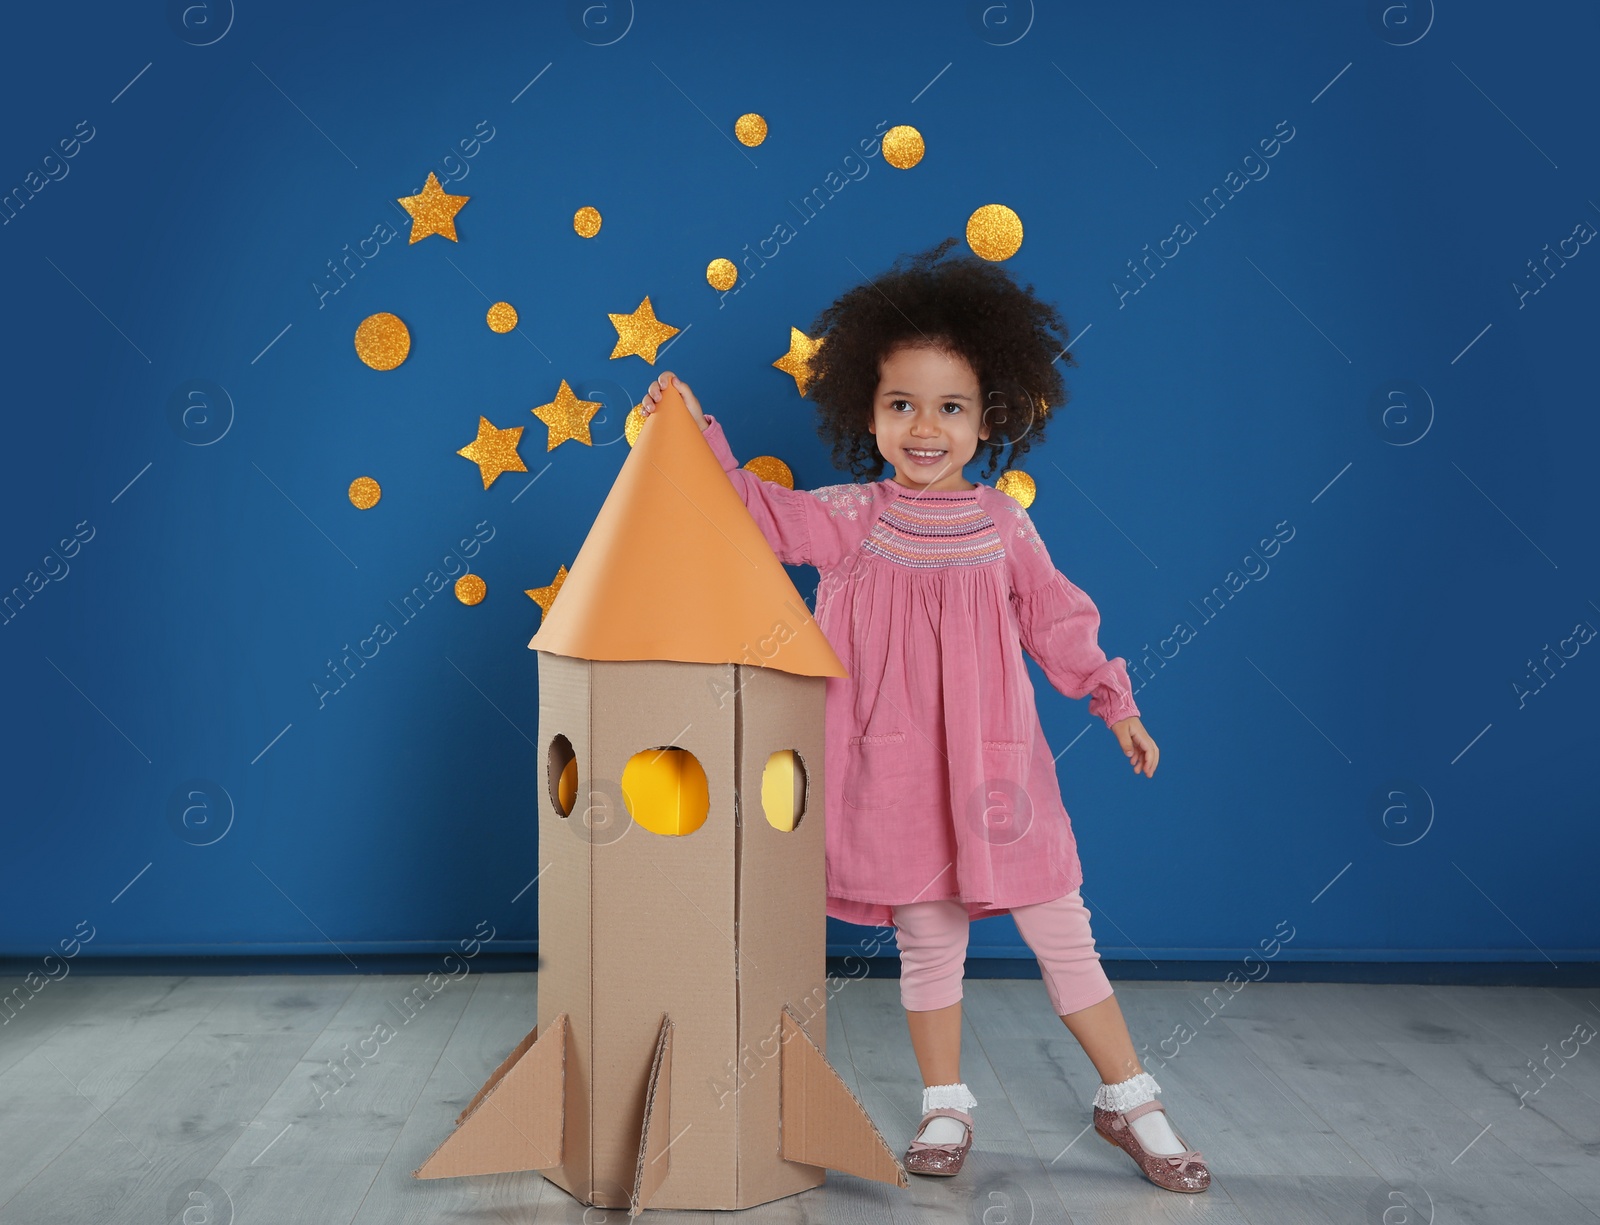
1136	743
652	397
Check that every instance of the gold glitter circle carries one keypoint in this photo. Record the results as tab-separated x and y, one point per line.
364	493
502	317
721	274
751	129
633	424
1019	485
771	468
903	147
470	589
586	221
382	341
994	232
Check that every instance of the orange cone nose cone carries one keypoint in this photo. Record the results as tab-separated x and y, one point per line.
675	568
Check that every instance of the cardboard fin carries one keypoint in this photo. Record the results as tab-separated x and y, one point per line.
516	1121
654	1136
495	1077
824	1124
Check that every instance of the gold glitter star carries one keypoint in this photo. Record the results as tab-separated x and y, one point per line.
433	212
568	417
797	361
633	424
641	333
546	596
494	451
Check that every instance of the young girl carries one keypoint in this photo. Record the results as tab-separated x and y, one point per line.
942	801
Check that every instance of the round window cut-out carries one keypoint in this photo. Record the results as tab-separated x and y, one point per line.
783	790
665	791
561	765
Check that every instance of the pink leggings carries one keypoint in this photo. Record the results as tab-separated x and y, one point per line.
933	949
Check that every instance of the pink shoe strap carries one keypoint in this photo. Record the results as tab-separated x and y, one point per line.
1144	1108
952	1146
1189	1156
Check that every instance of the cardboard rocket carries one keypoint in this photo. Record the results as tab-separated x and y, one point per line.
678	1057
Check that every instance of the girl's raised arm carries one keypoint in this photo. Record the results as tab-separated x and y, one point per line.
804	527
1060	624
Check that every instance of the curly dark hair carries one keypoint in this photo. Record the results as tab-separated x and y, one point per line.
965	306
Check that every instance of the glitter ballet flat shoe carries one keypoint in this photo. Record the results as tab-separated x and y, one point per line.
1185	1171
940	1159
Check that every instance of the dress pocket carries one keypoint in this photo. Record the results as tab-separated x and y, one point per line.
875	771
1002	810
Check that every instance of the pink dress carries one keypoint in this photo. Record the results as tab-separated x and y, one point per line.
939	782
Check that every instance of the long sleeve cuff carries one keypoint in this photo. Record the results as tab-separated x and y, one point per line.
718	443
1112	704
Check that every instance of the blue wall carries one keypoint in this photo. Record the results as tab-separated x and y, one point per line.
1428	551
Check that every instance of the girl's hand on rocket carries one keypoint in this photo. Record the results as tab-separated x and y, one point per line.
1136	743
652	397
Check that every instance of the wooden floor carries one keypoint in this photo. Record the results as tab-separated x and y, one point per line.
140	1099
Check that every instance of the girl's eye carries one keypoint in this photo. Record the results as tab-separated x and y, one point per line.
954	405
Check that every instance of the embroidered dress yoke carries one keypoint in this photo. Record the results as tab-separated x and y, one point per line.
939	783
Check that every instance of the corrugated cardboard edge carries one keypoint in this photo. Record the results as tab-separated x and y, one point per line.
824	1123
516	1121
740	949
565	890
782	949
653	1136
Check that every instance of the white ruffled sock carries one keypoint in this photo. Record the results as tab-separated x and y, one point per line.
1153	1130
944	1129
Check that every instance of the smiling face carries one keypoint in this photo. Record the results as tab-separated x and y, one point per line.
926	417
